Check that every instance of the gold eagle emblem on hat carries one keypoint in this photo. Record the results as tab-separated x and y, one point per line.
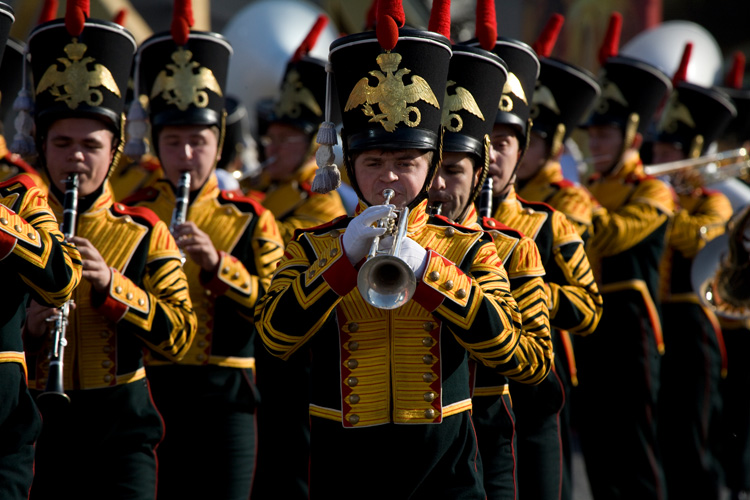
512	86
460	100
184	86
543	97
610	92
674	114
294	95
391	95
77	83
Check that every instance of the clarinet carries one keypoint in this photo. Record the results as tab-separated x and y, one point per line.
54	393
179	215
485	199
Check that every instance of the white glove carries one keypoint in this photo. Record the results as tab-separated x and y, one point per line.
360	232
414	255
746	238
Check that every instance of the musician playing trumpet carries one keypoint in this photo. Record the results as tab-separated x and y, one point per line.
694	359
232	245
394	379
134	293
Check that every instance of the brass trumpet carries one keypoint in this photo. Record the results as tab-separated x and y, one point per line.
385	280
704	165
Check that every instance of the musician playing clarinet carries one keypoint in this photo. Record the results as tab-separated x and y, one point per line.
390	371
231	245
101	437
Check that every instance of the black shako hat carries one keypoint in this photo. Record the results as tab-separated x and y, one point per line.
75	75
563	97
694	117
11	69
738	130
514	106
184	83
630	90
6	21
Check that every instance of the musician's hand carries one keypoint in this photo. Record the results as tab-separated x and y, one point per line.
359	234
95	268
197	245
414	255
39	318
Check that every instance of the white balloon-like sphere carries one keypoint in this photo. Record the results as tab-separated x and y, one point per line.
662	46
264	35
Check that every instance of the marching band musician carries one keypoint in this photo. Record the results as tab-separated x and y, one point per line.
475	83
394	377
289	144
36	264
692	365
573	297
564	94
231	246
134	294
615	409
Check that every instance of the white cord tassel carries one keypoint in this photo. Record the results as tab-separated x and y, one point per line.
327	177
136	127
23	142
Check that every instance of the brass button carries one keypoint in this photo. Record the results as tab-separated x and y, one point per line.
352	364
201	357
429	413
129	296
461	293
230	195
353	399
108	378
202	330
207	292
353	327
31	236
449	232
333	234
353	346
352	381
119	206
18	228
202	343
203	317
429	396
236	276
228	211
448	285
428	377
104	334
127	219
106	363
434	276
225	270
354	419
427	359
333	252
322	262
427	342
245	285
141	302
118	289
528	211
107	349
4	221
491	223
428	326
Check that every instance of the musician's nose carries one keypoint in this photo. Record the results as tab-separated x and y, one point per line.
188	151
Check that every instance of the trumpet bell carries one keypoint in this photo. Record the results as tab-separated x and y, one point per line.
386	282
707	281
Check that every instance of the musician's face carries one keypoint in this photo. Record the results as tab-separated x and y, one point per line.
453	184
191	148
605	144
534	159
664	152
79	145
285	148
504	155
403	170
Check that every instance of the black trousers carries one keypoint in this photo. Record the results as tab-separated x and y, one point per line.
495	423
100	446
20	425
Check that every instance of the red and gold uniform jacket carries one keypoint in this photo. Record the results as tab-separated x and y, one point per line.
630	234
407	365
520	257
12	164
575	303
296	206
249	245
549	186
147	303
130	177
37	263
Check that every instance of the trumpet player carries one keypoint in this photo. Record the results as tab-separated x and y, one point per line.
231	245
134	293
574	301
615	401
395	376
689	405
479	76
36	264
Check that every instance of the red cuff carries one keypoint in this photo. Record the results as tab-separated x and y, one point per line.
213	283
7	244
341	276
112	309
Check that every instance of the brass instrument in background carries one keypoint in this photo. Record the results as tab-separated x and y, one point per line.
704	170
182	201
54	392
385	280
